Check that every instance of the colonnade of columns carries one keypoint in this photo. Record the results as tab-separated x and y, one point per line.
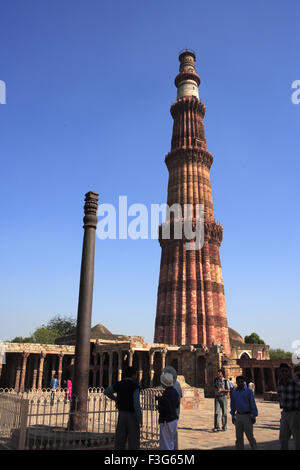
108	365
31	370
264	378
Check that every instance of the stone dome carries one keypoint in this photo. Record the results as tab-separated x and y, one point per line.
235	336
100	331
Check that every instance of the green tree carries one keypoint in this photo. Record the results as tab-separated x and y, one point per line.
20	339
63	325
254	339
46	334
280	354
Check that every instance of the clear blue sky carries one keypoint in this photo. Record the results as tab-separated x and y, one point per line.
89	87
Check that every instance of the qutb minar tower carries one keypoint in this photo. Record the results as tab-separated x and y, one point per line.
191	303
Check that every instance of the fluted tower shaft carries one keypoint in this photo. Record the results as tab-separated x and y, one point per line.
191	303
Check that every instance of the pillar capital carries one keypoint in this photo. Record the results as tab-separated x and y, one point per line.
90	209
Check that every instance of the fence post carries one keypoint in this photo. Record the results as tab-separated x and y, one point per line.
23	423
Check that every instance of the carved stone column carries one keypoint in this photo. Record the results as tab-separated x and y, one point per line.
34	372
151	362
163	359
18	373
78	416
120	365
101	369
53	365
252	374
130	357
61	357
110	367
140	369
274	384
25	356
95	357
41	370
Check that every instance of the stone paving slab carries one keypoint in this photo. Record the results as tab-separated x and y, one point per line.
195	428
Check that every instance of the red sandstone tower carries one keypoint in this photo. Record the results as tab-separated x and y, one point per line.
191	303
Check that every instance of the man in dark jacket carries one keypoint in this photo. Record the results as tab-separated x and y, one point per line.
130	414
168	404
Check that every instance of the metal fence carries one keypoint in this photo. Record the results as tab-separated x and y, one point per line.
41	420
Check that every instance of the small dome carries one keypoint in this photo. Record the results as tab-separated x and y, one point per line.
235	336
100	331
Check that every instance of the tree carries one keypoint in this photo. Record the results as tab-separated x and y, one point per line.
254	339
20	339
47	334
280	354
63	325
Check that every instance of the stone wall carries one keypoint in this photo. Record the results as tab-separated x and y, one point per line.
192	397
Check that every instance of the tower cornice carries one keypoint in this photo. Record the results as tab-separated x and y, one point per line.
213	232
185	76
181	155
188	103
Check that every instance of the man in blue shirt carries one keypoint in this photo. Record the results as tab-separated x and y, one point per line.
244	413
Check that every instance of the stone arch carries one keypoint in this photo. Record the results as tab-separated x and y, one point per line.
245	355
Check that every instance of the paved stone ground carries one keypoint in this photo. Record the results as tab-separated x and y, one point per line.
195	428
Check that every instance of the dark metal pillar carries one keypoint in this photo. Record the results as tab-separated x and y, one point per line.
78	417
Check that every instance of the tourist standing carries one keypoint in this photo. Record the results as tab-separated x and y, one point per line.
288	390
168	404
221	394
69	390
177	387
54	386
251	385
244	413
128	405
231	384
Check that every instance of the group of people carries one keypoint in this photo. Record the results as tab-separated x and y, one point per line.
244	411
126	393
243	408
54	385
